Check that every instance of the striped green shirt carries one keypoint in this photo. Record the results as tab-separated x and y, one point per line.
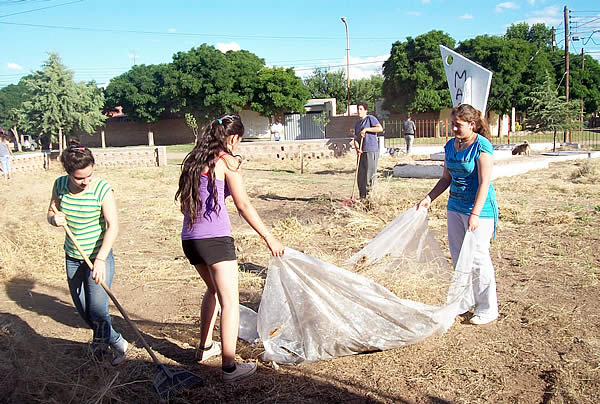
83	212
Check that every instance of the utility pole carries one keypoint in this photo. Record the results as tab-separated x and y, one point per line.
347	65
566	17
553	39
581	121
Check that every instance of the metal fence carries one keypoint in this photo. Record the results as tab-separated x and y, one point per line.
433	132
303	127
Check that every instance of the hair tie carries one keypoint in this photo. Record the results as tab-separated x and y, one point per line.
78	148
220	121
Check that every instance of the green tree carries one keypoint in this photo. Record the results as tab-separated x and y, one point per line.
548	111
329	84
584	83
414	77
366	90
57	104
508	60
245	67
146	92
208	82
11	103
190	121
279	90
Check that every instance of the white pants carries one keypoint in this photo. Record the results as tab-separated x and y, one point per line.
484	278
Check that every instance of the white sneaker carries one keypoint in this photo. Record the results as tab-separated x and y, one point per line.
119	352
204	354
242	370
478	320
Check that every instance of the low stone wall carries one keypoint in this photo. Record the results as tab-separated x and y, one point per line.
117	157
289	150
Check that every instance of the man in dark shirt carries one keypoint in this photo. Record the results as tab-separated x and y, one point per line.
46	149
367	147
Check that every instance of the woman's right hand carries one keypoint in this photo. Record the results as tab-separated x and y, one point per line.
425	203
275	246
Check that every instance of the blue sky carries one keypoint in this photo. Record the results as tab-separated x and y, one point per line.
99	40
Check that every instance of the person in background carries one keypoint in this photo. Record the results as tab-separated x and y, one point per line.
365	135
46	150
408	129
472	203
87	206
209	174
6	155
277	130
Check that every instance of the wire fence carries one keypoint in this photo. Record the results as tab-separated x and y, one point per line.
438	132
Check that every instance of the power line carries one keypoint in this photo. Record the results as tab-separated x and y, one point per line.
42	8
189	34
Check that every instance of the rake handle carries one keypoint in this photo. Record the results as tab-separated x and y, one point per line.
110	294
357	165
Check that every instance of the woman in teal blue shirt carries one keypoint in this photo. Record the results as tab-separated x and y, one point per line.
472	203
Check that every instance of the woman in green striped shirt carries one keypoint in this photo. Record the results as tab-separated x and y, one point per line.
87	206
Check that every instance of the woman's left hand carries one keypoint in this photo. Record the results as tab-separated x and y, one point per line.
275	246
99	271
473	223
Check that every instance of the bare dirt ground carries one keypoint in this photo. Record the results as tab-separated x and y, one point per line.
545	348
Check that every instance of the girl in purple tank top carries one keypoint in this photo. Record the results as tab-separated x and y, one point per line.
209	174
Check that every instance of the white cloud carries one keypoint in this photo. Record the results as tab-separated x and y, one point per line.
551	16
13	66
466	17
506	6
224	47
172	30
414	13
532	2
425	1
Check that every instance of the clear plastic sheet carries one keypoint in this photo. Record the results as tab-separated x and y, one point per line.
403	242
312	310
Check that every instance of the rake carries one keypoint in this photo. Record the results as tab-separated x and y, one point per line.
350	202
167	380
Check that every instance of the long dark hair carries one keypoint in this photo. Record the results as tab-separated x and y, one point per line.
76	157
210	144
468	113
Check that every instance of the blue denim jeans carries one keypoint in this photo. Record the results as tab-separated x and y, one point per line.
91	300
5	163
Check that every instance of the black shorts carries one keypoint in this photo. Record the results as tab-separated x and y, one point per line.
209	251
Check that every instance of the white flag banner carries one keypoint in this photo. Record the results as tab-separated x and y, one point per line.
469	83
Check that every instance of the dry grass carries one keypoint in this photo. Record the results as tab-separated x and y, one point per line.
545	347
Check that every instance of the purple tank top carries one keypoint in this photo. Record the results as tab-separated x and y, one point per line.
216	223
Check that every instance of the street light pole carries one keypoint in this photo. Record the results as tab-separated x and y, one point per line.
347	66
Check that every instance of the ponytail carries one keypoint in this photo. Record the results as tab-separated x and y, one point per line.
76	157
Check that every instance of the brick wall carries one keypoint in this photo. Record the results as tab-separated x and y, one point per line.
289	150
118	133
129	157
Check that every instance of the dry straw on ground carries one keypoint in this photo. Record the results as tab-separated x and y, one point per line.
544	348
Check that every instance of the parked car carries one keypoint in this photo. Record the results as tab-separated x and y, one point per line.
29	143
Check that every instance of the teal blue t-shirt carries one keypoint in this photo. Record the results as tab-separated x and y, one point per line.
465	180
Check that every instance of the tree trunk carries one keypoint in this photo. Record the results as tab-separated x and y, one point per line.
554	145
103	139
16	135
60	141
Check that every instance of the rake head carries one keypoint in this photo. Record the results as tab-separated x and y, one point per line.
174	380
